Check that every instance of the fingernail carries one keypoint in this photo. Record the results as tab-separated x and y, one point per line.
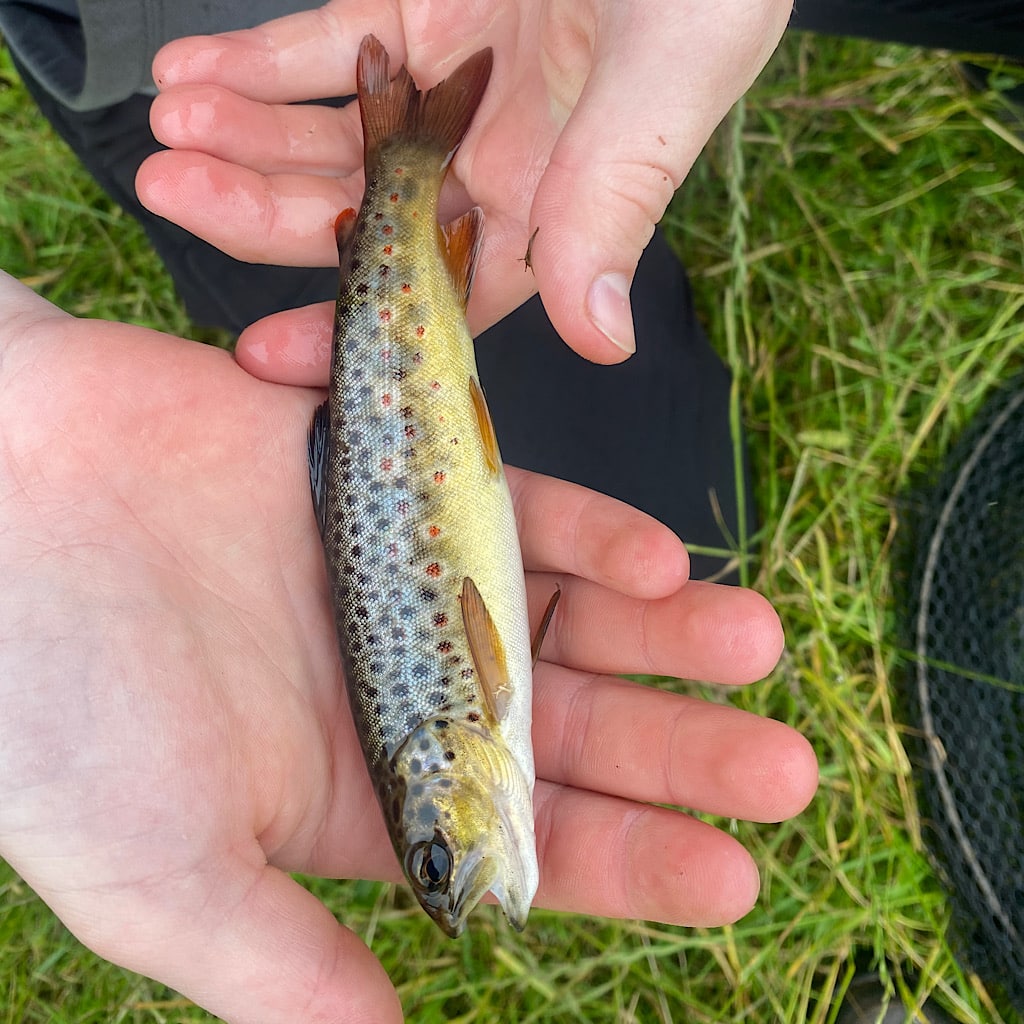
608	306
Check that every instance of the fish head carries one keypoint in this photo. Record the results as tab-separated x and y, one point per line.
462	823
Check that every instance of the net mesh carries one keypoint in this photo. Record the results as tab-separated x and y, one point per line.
964	619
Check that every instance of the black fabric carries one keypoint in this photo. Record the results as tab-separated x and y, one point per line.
972	26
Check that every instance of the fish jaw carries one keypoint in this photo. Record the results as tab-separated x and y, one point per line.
462	823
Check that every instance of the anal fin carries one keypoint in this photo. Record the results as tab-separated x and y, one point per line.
462	240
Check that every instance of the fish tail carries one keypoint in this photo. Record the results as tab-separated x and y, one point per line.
397	108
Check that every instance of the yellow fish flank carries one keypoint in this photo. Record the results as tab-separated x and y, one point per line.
420	541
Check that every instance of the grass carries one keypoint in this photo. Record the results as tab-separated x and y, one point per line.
854	233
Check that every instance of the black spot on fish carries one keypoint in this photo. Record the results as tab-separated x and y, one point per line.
435	697
356	550
428	595
449	755
356	264
441	724
472	717
362	611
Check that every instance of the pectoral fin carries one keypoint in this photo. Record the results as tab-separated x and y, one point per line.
542	629
317	451
487	650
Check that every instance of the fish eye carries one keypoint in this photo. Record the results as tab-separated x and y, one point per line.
430	865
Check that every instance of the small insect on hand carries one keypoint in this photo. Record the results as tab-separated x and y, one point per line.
527	260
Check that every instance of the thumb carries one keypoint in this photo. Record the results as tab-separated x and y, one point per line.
247	943
661	79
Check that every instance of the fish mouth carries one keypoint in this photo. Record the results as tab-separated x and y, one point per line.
502	872
473	876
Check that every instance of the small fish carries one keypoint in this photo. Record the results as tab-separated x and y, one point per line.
423	559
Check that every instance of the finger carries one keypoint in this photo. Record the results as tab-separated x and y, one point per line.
291	347
614	858
268	138
246	942
566	528
309	55
618	737
629	142
705	631
287	219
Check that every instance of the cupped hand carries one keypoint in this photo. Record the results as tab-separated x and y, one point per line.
595	112
174	735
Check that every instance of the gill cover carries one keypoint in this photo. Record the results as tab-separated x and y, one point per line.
464	822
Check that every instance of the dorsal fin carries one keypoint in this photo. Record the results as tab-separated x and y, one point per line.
487	650
397	107
462	240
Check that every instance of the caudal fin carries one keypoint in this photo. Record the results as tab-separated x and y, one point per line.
442	114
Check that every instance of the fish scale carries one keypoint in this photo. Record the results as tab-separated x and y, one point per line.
417	523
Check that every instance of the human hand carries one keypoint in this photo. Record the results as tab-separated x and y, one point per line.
174	736
595	112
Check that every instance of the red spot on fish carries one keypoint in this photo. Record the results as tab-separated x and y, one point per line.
403	508
385	316
436	385
387	229
434	531
386	464
420	331
406	288
440	619
466	673
445	647
393	550
386	250
394	197
385	354
410	431
434	570
439	477
385	400
399	170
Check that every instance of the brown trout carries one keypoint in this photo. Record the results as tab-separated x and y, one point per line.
420	540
